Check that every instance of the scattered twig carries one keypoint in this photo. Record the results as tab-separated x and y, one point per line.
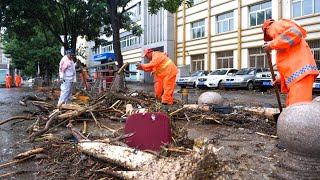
266	135
16	161
15	118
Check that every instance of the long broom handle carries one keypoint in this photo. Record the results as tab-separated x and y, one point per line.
274	78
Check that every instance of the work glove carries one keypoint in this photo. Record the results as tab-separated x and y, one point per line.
139	66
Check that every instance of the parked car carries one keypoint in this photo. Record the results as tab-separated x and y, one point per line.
214	78
191	80
30	82
244	78
316	84
263	80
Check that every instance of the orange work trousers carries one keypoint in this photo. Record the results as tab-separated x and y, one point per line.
18	84
164	88
8	84
301	91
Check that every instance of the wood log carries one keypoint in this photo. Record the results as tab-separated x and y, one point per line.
29	153
72	113
129	158
197	107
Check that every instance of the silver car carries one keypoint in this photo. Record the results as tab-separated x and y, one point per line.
244	78
191	80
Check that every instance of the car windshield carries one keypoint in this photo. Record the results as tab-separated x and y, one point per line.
218	72
245	71
195	73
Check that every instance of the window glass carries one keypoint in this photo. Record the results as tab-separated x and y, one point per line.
197	62
259	13
197	1
225	22
257	58
307	7
296	9
317	6
198	30
225	59
253	18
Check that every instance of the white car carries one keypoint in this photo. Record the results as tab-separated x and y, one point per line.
191	80
214	78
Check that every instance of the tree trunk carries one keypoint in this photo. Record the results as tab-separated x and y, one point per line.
129	158
115	24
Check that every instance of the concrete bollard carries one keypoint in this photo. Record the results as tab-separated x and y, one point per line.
210	98
298	129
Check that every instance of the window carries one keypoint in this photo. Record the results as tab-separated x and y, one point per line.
108	48
257	58
128	41
225	22
197	62
259	13
225	59
197	29
305	7
315	49
196	1
135	11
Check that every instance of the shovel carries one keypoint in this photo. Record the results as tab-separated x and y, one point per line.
275	116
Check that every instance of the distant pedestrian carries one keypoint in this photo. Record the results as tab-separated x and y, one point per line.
8	81
18	80
67	73
165	72
295	61
95	76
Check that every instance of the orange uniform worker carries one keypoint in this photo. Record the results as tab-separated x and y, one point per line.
84	77
165	72
18	80
8	81
95	76
295	61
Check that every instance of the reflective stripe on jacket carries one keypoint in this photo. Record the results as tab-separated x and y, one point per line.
294	57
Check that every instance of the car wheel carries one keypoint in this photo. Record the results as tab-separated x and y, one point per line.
220	86
183	86
194	85
250	86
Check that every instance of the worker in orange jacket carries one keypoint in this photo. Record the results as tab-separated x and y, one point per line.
8	81
295	61
18	80
84	77
95	76
165	72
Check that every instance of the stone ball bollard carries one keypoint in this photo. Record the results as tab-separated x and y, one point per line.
317	99
210	98
298	129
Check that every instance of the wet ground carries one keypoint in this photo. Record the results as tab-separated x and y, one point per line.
243	153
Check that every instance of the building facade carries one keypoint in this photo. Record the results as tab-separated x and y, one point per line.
212	34
227	33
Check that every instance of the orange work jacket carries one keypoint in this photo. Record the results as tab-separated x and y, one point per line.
8	79
294	57
160	65
18	79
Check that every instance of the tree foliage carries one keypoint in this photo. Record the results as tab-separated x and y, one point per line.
169	5
26	53
64	19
